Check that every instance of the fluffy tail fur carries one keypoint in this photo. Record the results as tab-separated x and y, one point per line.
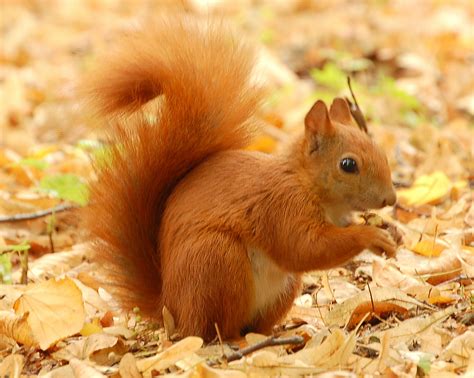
200	76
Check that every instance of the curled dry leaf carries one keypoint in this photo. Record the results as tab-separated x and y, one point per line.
168	322
386	274
82	370
12	366
420	328
368	310
55	308
333	352
460	349
340	313
85	347
434	270
204	370
128	367
17	328
171	355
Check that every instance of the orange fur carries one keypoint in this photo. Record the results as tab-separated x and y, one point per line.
182	217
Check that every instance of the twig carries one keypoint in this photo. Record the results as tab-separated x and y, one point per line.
271	341
371	298
355	109
219	337
36	214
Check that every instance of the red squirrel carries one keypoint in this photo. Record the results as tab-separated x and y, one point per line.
183	216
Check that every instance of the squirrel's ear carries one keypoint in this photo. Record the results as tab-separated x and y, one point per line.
340	111
317	120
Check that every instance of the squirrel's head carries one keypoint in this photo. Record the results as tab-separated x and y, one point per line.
349	170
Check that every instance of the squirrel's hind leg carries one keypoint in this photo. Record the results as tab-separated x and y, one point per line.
207	282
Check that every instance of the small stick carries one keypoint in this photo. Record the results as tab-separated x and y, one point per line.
220	338
271	341
36	214
371	298
355	109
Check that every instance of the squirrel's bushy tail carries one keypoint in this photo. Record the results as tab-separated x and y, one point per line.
200	76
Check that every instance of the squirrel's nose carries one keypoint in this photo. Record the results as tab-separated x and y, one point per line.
390	199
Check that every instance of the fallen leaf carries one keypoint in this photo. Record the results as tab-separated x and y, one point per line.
427	189
55	308
91	328
341	312
12	366
82	370
434	270
367	310
128	367
428	248
17	328
171	355
85	347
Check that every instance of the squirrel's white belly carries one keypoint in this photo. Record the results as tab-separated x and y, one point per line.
270	281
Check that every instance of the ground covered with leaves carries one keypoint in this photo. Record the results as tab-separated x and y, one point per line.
411	66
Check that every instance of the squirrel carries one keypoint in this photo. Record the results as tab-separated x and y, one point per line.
182	215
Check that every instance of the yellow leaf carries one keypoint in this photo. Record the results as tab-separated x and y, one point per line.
439	299
170	356
468	248
12	365
91	328
56	310
17	328
428	248
428	189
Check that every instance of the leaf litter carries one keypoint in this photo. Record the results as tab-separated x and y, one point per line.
403	317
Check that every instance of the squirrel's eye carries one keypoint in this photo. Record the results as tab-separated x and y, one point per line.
348	165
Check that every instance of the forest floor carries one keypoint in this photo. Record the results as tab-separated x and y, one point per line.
411	65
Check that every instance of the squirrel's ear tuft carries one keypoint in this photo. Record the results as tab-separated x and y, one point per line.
340	112
317	120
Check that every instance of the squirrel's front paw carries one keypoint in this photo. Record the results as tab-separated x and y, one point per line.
380	241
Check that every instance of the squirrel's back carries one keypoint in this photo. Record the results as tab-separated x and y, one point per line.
201	76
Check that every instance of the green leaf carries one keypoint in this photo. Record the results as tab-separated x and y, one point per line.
35	163
68	187
5	268
425	364
389	86
24	246
330	76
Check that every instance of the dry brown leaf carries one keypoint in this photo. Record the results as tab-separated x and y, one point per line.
9	294
55	308
333	352
128	367
386	274
53	264
205	371
168	322
120	331
83	348
17	328
12	366
420	328
170	356
434	270
341	313
367	310
82	370
460	349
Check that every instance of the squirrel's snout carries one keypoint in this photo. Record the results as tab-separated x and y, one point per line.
390	199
